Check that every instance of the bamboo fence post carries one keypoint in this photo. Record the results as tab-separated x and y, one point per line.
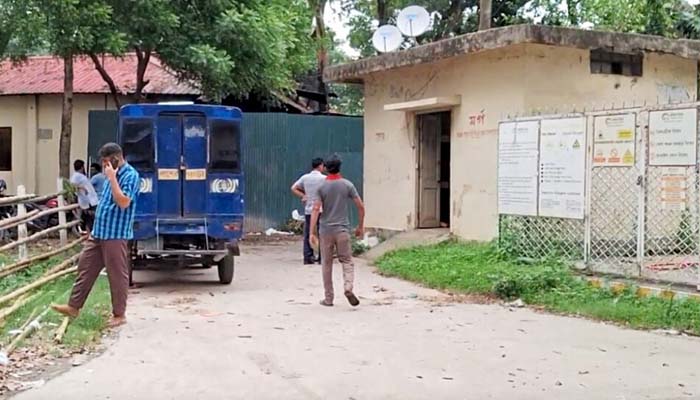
22	228
61	214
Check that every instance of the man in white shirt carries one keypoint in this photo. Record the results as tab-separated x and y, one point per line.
306	188
87	197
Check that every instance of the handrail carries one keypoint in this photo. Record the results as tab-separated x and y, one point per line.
31	216
38	235
13	200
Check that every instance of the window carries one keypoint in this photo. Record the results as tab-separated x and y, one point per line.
224	146
5	149
606	62
137	143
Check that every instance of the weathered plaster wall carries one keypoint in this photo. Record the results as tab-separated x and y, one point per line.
492	84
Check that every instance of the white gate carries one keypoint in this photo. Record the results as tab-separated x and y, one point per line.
642	214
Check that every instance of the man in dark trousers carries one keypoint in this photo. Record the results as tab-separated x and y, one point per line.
306	188
107	244
335	196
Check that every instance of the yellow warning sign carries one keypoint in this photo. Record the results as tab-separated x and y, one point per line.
628	158
577	144
614	137
625	134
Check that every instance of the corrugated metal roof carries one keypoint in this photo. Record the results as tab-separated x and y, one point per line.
44	75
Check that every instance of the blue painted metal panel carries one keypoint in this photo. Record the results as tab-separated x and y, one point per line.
195	158
168	151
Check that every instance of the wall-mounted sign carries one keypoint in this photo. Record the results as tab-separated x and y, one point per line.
673	137
517	167
614	140
562	167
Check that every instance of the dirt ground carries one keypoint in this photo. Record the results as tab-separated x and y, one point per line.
266	337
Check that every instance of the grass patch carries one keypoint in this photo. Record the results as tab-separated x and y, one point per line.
82	331
477	268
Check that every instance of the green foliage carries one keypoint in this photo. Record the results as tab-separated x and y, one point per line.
687	234
82	331
478	268
358	248
227	47
293	226
350	100
239	47
672	18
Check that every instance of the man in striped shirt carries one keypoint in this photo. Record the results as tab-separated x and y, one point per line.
107	245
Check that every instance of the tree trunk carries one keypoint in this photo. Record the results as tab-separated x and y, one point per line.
572	12
319	34
143	57
485	8
108	79
66	118
382	12
454	18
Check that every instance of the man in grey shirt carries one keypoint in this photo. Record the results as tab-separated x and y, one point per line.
335	196
306	188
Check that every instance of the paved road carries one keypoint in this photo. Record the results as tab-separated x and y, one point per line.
266	337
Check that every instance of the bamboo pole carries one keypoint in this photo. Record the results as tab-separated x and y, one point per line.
29	328
35	214
38	235
19	266
65	264
6	201
39	282
58	338
8	223
6	312
11	200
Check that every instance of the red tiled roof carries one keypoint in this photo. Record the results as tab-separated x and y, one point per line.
44	75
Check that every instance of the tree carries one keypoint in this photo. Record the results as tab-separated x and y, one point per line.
485	8
224	47
67	28
349	97
450	17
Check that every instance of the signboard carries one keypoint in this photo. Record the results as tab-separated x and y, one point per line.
614	140
673	189
562	167
672	137
517	167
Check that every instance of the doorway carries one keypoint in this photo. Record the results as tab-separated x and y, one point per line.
434	170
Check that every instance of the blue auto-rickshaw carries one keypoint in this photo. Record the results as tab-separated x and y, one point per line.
191	204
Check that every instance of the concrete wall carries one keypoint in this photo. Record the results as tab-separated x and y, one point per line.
492	85
34	160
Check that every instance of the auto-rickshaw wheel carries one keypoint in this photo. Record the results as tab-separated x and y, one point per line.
225	267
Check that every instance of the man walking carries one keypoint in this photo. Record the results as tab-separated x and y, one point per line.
335	196
107	244
306	188
87	197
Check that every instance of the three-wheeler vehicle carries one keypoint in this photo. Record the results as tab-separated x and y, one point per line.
191	198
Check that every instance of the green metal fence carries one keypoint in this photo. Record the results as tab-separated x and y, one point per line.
277	149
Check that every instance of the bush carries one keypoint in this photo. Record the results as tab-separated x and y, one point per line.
358	248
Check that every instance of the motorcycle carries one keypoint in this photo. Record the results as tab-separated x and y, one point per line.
6	212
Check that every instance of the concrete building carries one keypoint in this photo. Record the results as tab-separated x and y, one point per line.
31	104
432	111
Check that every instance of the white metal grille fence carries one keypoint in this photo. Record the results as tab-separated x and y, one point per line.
628	230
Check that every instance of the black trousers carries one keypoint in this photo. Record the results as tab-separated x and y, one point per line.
87	218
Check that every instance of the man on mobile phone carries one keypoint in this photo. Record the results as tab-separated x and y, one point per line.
107	245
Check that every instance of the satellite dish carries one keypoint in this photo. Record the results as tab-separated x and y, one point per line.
413	21
387	38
